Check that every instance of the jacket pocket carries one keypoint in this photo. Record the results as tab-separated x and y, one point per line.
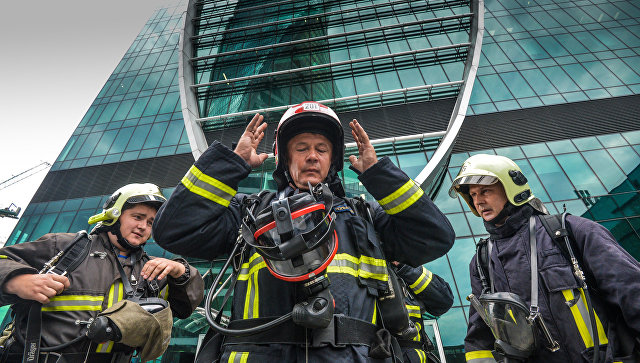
558	278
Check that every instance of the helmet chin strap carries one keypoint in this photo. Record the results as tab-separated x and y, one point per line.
115	229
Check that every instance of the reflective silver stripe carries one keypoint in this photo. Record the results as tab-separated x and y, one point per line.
205	186
422	282
238	357
414	311
581	316
480	356
249	272
402	198
365	267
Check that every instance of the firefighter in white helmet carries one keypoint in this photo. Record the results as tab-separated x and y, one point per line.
324	237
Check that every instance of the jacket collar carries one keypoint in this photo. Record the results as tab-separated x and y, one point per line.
512	224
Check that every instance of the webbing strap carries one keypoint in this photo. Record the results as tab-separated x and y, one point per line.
343	330
71	258
534	264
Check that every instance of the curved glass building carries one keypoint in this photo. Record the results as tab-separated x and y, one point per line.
552	84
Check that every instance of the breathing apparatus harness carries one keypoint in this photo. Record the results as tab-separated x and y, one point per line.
491	304
295	248
100	329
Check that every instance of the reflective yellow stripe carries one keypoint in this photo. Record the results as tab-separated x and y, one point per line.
249	268
422	282
74	303
3	256
414	311
365	267
479	356
580	312
116	293
205	186
418	328
249	272
402	198
238	357
375	312
164	293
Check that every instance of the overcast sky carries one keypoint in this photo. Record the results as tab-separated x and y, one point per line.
56	56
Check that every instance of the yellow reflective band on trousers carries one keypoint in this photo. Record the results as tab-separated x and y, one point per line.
74	303
249	272
422	282
422	355
580	312
205	186
164	293
365	267
402	198
116	293
238	357
418	328
479	356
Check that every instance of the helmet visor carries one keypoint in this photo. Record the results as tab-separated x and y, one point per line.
471	179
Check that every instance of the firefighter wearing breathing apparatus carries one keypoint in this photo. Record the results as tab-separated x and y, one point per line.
96	297
541	299
310	269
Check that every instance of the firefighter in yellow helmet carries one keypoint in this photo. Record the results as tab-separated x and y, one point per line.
76	285
545	288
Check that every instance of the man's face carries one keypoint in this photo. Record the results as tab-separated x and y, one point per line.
489	200
309	158
136	222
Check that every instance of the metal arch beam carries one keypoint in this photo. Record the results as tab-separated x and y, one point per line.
188	100
442	153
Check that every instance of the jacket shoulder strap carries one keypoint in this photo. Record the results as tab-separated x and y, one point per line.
553	225
73	255
482	263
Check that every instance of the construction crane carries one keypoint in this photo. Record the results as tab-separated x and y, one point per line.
25	174
12	210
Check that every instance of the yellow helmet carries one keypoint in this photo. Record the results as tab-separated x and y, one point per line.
489	169
131	193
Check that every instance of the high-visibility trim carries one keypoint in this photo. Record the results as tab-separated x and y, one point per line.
414	311
256	262
205	186
116	293
3	256
422	282
375	313
479	356
238	357
164	293
402	198
422	355
365	267
417	338
581	316
74	303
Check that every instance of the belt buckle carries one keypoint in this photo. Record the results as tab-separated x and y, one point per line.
326	336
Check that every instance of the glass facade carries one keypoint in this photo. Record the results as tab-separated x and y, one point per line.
250	55
349	54
546	52
137	113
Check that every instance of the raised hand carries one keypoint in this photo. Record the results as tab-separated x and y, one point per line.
248	143
160	268
367	154
38	287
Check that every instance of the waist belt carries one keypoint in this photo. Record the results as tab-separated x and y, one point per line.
342	331
413	344
52	357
